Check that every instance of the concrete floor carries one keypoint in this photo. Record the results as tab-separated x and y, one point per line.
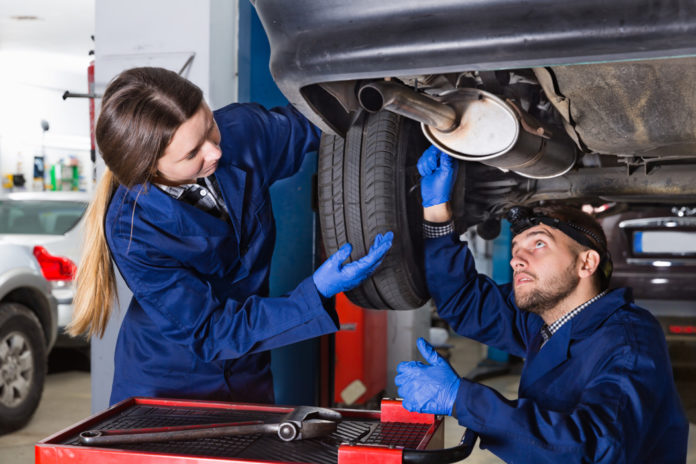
66	400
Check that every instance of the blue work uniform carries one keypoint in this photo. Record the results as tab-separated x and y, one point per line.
600	390
200	321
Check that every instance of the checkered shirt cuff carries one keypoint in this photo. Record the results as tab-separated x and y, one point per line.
437	229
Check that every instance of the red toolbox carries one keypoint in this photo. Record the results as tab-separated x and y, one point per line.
385	436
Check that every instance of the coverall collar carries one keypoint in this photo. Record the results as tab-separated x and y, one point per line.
556	351
169	210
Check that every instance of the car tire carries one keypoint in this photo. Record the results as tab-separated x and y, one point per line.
367	184
22	365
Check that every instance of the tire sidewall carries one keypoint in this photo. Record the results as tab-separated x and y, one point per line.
366	186
15	317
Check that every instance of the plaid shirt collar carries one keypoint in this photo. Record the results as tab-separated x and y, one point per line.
548	330
175	191
204	195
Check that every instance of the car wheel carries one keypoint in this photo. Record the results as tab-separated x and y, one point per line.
22	365
367	184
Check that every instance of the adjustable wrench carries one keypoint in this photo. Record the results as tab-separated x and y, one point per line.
301	423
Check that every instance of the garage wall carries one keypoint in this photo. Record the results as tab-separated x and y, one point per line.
166	33
31	88
162	33
297	377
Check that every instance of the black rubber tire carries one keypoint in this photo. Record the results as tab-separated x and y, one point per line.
18	320
365	188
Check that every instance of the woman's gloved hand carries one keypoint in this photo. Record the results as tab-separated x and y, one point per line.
438	171
333	276
427	388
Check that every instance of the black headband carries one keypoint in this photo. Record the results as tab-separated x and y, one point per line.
522	218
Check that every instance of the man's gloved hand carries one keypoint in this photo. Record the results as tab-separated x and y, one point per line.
333	276
438	171
427	388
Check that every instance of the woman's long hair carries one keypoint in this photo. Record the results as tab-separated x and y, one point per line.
141	110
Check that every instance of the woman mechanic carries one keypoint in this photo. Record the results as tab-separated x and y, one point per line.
184	211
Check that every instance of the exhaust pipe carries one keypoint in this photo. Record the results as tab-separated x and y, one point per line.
475	125
402	100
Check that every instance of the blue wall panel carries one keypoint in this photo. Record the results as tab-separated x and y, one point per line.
501	273
295	367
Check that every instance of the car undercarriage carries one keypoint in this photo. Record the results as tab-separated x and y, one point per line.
584	103
630	126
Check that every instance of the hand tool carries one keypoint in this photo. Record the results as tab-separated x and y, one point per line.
301	423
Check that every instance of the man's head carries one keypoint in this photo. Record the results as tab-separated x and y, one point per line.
556	249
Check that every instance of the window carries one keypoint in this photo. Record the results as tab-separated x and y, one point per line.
39	217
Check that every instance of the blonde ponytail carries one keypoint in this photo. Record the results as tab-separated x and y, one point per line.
96	281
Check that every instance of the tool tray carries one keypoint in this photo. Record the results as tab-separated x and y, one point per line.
360	434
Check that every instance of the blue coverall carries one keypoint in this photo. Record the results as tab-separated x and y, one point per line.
198	325
600	390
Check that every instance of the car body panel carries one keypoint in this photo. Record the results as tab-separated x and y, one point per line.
662	277
652	275
68	245
330	40
19	271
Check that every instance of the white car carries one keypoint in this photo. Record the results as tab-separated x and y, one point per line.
28	331
50	225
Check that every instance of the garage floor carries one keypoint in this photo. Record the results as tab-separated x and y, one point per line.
66	400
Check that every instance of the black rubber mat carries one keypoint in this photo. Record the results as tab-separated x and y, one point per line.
255	447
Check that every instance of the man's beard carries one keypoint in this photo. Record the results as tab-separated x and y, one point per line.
549	293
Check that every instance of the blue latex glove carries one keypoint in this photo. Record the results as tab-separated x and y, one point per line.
438	171
333	276
427	388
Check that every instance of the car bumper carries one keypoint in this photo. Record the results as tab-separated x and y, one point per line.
64	299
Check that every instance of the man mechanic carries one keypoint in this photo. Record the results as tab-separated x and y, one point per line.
597	382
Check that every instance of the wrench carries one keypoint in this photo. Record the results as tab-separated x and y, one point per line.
301	423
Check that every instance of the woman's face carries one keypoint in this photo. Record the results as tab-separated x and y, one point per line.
193	152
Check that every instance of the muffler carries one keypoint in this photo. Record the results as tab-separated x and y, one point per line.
475	125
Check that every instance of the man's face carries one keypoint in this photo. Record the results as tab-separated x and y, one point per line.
193	152
544	263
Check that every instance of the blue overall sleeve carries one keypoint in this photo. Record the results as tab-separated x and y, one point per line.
607	425
188	312
472	303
